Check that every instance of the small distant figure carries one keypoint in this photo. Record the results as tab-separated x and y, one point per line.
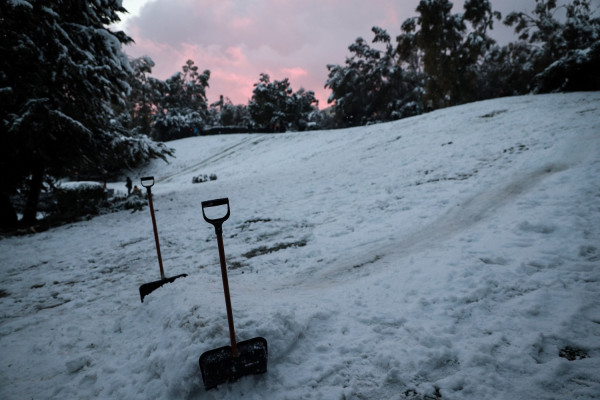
128	184
137	191
104	177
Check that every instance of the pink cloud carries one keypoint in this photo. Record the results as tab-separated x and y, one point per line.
294	72
240	23
236	56
237	87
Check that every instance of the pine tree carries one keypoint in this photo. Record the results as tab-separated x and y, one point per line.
62	75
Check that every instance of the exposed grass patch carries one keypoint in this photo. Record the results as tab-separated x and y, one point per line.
374	260
246	224
233	265
457	177
572	354
255	220
493	113
516	149
262	250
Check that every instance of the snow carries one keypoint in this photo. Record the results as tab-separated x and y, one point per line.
451	255
80	184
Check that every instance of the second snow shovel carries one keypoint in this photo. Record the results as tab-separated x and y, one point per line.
150	287
229	363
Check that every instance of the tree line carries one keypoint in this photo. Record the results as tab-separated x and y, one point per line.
72	102
442	59
178	107
439	59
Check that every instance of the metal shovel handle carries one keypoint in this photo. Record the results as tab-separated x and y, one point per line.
218	224
148	182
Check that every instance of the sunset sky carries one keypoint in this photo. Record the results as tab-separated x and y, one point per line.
239	39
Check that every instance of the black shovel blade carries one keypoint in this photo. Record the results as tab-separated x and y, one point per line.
150	287
219	366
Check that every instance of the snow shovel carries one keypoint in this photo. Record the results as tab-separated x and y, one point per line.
150	287
229	363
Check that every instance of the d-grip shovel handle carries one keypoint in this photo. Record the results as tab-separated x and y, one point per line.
147	182
216	222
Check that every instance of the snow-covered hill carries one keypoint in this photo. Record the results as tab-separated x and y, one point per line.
453	255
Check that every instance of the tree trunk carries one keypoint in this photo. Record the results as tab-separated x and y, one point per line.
8	215
37	177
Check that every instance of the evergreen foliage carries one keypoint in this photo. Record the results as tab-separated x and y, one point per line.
451	48
145	91
275	107
63	77
224	113
443	59
565	56
372	86
70	100
182	108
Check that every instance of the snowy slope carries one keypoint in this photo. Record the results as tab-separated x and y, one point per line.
452	255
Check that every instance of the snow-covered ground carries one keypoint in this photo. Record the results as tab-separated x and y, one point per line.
453	255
